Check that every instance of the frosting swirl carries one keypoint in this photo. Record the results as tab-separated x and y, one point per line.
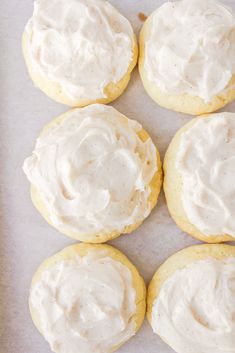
195	309
206	162
93	171
191	48
85	304
82	45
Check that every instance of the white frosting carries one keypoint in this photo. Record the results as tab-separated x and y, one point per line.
195	309
93	171
86	304
206	162
82	45
191	48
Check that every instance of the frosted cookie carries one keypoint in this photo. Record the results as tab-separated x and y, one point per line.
94	174
199	178
79	52
87	298
187	60
191	303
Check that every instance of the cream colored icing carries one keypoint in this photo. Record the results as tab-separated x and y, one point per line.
195	309
82	45
206	162
85	304
191	48
93	171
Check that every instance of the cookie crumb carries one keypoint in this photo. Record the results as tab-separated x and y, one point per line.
142	16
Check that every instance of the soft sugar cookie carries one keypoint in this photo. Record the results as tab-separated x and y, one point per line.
191	302
199	171
79	52
87	298
94	174
187	60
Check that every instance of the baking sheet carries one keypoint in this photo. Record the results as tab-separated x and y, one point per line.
26	239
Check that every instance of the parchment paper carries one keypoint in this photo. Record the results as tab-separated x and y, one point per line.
26	239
